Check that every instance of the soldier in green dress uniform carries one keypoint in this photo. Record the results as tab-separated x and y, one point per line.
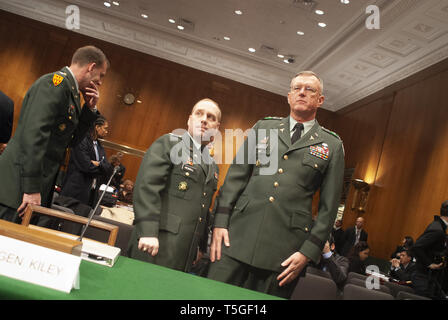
173	193
51	118
263	232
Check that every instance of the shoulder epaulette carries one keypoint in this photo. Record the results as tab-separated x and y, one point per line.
175	135
332	133
272	118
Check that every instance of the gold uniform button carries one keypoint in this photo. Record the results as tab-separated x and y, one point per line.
187	174
271	199
315	165
285	157
276	184
205	194
203	205
280	170
70	118
306	229
200	219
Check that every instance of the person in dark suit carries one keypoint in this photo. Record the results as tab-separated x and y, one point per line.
430	253
406	244
87	163
403	268
6	119
173	193
353	235
357	257
51	118
333	263
263	234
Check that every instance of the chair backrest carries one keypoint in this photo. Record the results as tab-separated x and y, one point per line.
362	283
123	236
313	287
318	272
395	288
403	295
356	275
354	292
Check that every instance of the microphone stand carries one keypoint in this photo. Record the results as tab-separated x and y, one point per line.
91	214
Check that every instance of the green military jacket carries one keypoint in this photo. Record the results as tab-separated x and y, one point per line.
172	201
269	217
50	119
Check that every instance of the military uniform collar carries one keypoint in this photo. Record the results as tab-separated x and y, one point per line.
74	78
195	143
306	125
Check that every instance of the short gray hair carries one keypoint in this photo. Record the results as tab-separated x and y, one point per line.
310	74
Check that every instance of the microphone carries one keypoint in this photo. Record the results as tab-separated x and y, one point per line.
92	212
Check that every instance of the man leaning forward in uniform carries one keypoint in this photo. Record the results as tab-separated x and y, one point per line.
173	193
51	118
263	233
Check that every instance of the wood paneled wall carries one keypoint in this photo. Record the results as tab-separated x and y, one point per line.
167	90
398	142
396	139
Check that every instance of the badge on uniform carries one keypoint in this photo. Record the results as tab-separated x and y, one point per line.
188	167
57	79
183	185
321	152
71	110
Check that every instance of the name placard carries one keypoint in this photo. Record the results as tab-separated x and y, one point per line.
38	265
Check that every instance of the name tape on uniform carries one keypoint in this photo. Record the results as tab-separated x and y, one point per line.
38	265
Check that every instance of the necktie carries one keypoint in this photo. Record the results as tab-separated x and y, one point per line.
297	132
95	147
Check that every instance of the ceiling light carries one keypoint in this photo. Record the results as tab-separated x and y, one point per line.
252	50
238	12
300	33
172	20
180	27
319	12
345	1
226	38
322	25
107	4
280	56
144	16
116	3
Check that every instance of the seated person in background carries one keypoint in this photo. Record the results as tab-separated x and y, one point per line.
117	180
406	244
357	256
403	268
334	263
125	193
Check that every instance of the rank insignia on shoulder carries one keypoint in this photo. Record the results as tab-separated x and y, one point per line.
183	185
332	133
57	79
272	118
321	152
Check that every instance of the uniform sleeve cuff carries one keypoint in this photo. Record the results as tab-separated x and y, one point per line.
31	184
311	250
221	220
147	229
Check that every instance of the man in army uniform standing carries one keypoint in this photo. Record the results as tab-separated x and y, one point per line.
173	193
50	119
263	233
